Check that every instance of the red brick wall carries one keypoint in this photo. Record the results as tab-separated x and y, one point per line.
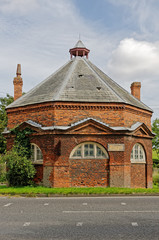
138	175
18	84
89	172
39	174
113	115
132	115
67	172
56	149
49	114
135	89
42	113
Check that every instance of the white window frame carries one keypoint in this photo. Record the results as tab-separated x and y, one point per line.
136	154
89	157
35	160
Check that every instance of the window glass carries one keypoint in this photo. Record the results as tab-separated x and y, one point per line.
132	154
86	150
77	153
39	154
32	152
36	154
141	154
138	154
136	151
89	150
99	152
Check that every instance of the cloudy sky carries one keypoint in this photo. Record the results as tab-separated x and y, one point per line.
123	36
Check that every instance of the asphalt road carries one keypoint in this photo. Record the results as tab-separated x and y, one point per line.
79	218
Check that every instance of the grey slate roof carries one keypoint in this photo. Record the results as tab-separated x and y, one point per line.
64	128
78	81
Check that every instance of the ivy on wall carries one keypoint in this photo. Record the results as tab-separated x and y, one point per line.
22	141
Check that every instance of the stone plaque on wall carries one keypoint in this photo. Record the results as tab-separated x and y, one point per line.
116	147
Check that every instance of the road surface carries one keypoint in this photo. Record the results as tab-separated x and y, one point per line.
79	218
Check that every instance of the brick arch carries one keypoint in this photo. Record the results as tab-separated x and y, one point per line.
139	141
138	170
89	172
94	142
90	139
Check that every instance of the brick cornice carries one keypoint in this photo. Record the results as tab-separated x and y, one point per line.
138	111
69	106
87	107
80	106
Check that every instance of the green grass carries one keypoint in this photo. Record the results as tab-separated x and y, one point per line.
154	154
35	191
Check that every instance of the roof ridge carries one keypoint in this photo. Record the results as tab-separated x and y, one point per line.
99	77
74	63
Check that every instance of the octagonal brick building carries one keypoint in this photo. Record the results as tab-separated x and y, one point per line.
88	130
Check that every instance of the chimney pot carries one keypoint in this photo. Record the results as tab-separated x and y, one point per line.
135	89
18	70
18	83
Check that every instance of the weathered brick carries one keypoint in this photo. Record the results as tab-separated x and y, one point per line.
58	170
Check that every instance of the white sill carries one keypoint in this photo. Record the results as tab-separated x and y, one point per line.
40	162
138	162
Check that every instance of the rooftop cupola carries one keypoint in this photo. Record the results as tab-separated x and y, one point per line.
79	50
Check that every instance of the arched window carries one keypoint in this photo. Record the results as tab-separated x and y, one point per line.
89	150
138	154
36	154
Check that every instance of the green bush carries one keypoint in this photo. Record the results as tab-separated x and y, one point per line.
20	170
155	163
2	170
156	179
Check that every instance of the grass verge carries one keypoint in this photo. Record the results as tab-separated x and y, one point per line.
36	191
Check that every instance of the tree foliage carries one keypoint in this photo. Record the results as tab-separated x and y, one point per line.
2	170
20	170
155	141
4	102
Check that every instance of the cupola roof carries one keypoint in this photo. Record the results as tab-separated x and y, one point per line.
79	50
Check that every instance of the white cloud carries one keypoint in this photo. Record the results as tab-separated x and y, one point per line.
20	7
133	59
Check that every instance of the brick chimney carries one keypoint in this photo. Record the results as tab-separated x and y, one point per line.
135	89
18	83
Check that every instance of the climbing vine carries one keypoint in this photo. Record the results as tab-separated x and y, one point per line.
22	141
